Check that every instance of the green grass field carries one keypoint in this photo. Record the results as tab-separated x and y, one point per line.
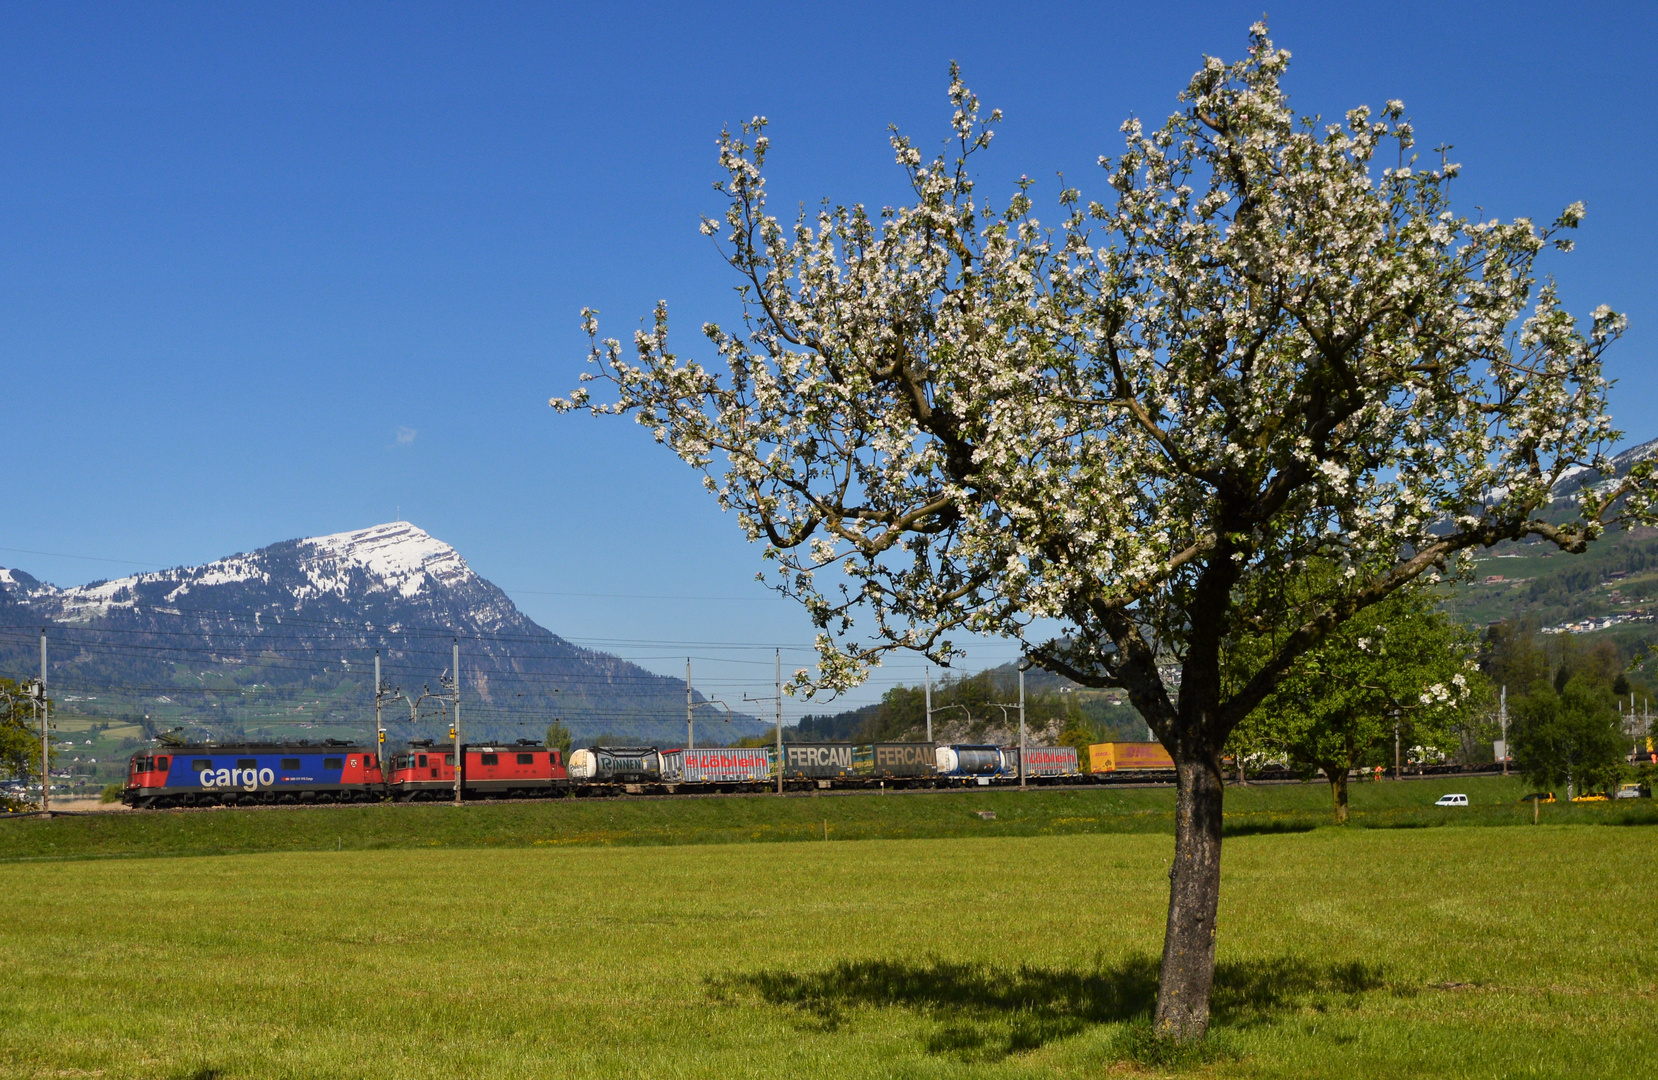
1454	952
915	815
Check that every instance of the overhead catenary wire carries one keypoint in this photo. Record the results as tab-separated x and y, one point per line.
266	643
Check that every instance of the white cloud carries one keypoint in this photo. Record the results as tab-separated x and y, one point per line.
405	435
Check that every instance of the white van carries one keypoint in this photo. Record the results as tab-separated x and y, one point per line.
1452	800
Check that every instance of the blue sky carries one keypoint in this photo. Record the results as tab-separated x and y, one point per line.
286	270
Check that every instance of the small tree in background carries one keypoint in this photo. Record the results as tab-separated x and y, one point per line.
1569	737
19	738
1267	345
559	738
1399	662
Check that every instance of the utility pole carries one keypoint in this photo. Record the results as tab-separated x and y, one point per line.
1502	717
778	659
1021	724
460	763
45	733
690	741
379	728
929	703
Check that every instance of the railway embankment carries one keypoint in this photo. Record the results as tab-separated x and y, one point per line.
829	818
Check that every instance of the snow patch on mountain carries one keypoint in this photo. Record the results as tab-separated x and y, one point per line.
23	587
400	556
396	558
1580	480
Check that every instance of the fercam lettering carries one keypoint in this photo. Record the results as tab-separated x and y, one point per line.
821	757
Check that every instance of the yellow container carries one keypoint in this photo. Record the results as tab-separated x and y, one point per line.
1124	756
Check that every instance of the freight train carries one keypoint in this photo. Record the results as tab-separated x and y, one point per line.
246	774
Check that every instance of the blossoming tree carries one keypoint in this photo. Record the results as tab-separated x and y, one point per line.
1103	438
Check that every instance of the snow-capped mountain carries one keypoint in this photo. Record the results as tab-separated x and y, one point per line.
1580	478
396	570
294	627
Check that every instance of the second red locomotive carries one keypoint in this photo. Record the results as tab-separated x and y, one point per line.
426	771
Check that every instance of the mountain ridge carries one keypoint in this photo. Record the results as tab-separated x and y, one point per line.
287	633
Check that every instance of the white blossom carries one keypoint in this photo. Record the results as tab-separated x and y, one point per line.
1256	348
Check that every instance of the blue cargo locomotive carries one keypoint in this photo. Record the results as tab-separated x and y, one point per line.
251	773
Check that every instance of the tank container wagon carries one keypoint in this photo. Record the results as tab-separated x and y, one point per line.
969	764
613	769
248	774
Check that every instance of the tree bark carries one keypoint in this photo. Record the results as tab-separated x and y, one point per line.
1337	775
1194	896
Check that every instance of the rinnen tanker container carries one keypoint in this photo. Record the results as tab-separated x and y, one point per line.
1128	756
616	765
817	761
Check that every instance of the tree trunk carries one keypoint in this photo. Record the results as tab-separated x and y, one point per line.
1338	791
1194	895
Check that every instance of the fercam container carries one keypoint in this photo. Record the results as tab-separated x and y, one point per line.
817	761
903	759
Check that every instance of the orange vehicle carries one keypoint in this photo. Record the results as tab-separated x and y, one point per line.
1128	756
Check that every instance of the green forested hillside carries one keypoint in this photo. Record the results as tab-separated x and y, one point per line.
1609	591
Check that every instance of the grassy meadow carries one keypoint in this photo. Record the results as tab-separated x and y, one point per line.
765	818
1476	951
1376	953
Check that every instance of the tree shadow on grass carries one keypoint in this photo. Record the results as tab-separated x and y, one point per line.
1266	828
986	1012
1635	818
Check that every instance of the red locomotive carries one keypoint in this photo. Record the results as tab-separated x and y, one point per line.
426	771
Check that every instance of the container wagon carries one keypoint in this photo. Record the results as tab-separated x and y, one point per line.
1047	762
595	765
823	762
1128	757
903	762
737	765
969	764
207	774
